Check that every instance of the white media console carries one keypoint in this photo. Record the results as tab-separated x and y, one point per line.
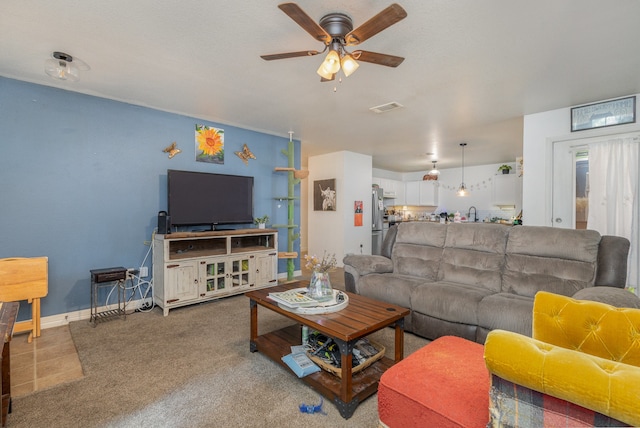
192	267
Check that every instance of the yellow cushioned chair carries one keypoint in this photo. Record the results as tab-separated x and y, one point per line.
586	353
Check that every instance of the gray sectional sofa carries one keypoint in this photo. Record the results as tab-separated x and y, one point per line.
468	279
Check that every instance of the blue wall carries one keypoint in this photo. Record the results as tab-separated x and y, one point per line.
83	179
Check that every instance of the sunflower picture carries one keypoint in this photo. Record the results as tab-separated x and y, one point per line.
209	144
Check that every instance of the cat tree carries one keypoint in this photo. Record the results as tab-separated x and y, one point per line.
294	179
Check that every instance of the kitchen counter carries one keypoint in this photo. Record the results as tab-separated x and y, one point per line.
504	222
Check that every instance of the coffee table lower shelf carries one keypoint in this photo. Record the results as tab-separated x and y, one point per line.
278	343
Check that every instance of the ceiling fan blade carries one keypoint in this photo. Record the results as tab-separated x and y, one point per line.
302	19
288	55
373	26
378	58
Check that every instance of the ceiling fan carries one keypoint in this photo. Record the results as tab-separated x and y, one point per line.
336	31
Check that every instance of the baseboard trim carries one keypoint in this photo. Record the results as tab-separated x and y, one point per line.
85	314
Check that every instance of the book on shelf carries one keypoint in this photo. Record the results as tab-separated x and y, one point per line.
293	298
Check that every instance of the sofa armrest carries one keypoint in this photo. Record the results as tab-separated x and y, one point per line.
357	265
602	385
614	296
365	264
612	261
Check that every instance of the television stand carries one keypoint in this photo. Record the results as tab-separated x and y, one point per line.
193	267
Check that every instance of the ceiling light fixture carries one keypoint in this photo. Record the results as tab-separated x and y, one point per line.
338	58
349	65
64	67
462	190
434	171
336	31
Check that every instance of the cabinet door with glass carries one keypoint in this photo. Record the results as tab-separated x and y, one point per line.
241	271
214	276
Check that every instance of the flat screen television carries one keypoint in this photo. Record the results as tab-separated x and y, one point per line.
200	198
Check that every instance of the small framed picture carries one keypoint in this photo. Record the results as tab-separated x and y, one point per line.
324	195
607	113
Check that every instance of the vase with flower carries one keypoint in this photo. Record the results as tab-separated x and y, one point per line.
320	284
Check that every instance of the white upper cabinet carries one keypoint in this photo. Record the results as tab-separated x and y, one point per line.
393	189
412	193
428	193
401	198
506	190
421	193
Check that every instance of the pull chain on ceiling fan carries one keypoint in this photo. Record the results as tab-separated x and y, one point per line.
336	31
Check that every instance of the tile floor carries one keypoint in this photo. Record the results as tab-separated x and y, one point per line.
48	360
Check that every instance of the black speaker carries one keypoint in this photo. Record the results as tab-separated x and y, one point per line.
164	223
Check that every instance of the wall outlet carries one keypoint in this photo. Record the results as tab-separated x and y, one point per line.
144	271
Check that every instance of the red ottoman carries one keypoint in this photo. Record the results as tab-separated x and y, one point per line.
444	384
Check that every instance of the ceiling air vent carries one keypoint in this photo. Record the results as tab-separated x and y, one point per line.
386	107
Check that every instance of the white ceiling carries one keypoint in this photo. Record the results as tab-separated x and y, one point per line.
472	68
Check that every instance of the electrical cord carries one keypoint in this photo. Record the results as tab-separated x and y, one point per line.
138	284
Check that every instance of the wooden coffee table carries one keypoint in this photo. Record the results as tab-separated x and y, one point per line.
360	318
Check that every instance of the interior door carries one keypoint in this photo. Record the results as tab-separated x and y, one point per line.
564	183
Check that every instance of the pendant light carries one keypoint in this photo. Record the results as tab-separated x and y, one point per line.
434	171
462	190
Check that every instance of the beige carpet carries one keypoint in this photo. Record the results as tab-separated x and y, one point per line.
190	369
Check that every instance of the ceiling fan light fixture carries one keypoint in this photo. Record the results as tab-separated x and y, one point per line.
349	65
336	31
332	62
322	71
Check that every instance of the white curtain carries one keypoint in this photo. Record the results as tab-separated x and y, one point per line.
613	194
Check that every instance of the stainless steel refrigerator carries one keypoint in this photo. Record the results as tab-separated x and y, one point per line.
377	219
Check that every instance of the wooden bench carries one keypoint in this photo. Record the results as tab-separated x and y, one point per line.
25	279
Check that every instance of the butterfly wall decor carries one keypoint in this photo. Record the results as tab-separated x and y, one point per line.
245	155
172	150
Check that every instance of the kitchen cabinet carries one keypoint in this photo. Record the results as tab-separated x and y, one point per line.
412	195
393	189
428	193
506	190
400	198
421	193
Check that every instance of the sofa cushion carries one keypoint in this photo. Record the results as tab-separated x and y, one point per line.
506	311
418	249
448	301
474	255
560	261
389	287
